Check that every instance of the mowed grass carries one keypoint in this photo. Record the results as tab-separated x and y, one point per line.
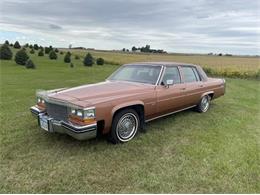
185	153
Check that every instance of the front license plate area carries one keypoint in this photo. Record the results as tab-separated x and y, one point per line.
44	124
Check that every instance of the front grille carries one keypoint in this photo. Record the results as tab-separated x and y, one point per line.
57	112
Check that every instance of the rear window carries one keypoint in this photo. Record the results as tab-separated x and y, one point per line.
188	74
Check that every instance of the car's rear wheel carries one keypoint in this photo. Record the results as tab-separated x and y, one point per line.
124	126
203	106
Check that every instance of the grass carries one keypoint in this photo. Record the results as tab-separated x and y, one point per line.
215	152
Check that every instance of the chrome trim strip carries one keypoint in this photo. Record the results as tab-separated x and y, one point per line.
170	113
160	75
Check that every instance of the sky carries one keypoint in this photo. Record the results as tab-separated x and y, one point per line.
182	26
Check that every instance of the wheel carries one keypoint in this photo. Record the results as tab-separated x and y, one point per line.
203	106
124	126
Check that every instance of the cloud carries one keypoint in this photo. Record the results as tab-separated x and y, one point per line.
229	26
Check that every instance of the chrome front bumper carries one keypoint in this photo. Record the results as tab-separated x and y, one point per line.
78	132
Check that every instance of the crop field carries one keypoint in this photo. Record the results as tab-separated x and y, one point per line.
189	152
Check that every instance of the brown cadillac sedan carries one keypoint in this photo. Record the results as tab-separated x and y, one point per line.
133	95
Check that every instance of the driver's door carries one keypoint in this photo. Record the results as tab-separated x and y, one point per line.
170	98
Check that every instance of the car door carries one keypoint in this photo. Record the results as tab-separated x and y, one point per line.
194	85
170	97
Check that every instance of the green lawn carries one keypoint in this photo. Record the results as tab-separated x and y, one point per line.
185	153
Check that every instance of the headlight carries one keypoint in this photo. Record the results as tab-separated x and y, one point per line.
40	102
88	113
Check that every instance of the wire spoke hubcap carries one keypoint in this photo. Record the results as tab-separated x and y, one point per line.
205	103
127	127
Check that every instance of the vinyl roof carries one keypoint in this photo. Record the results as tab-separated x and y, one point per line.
161	63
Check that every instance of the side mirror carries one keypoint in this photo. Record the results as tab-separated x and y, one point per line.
168	83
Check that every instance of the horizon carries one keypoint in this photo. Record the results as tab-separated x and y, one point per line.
201	27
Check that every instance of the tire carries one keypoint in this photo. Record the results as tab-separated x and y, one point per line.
124	126
204	104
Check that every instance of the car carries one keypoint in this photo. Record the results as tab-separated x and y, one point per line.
133	95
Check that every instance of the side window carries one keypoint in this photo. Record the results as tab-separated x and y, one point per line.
188	74
171	73
196	74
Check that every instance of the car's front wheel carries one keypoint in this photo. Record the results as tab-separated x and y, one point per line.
203	106
124	126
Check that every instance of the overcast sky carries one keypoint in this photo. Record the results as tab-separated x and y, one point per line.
196	26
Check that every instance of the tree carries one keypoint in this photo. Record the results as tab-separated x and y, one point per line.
56	50
5	52
100	61
123	49
61	53
77	57
41	53
35	46
88	61
26	45
7	42
30	64
67	58
134	48
17	45
21	57
30	46
53	55
32	51
46	50
11	45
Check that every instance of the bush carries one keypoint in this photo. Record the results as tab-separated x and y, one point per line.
21	57
35	46
32	51
53	55
11	45
71	65
61	53
41	53
17	45
100	61
30	64
56	50
47	50
26	45
5	52
67	58
6	42
30	46
77	57
88	61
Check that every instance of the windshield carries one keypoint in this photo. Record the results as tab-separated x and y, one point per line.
137	73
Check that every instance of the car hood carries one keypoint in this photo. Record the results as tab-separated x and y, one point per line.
92	94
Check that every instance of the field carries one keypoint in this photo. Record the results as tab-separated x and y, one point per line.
215	152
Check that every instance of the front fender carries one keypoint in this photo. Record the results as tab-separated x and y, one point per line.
124	105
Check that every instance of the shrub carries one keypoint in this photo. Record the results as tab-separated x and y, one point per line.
30	64
5	52
77	57
41	53
35	46
61	53
56	50
71	65
88	61
30	46
100	61
26	45
6	42
21	57
11	45
32	51
53	55
67	58
17	45
46	50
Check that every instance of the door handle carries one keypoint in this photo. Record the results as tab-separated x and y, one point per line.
183	88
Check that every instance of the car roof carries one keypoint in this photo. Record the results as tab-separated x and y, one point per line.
162	63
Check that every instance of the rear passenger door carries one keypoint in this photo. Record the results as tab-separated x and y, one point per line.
194	85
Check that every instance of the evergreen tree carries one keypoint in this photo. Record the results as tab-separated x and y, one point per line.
67	58
17	45
21	57
53	55
5	52
41	53
7	42
30	64
32	51
35	46
88	61
56	50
